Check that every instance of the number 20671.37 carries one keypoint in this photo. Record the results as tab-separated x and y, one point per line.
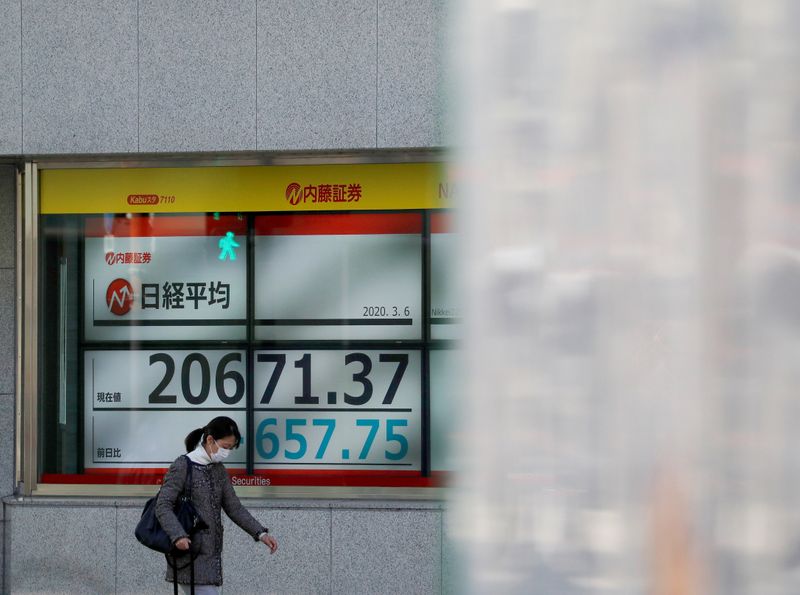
230	383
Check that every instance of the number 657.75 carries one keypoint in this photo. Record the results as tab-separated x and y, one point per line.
268	444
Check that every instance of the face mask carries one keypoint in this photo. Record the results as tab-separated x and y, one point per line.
220	455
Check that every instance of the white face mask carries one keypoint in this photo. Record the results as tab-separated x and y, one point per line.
221	454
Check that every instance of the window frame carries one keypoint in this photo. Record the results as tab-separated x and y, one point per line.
29	353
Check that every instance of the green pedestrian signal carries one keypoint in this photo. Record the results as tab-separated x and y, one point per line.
226	246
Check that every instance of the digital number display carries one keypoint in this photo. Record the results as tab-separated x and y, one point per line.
323	408
157	379
338	409
139	405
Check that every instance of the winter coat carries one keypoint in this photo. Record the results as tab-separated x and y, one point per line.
211	493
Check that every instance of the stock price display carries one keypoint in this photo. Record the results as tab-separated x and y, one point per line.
163	394
313	408
337	408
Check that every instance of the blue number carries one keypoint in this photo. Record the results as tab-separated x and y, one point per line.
330	423
373	429
299	438
392	437
261	435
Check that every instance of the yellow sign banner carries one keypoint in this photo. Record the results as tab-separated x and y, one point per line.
341	187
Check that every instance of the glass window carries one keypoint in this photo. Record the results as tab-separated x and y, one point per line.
314	331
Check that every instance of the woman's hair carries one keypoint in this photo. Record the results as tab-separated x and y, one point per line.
218	428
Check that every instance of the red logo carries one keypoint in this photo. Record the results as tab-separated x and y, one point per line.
119	297
143	199
293	193
113	258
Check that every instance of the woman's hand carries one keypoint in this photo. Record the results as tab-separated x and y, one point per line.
269	541
183	543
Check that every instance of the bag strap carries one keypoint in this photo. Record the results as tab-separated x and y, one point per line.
187	487
191	557
188	481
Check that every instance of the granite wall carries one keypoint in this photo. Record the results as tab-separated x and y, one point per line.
74	546
147	76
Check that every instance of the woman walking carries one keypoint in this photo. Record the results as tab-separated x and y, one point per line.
211	493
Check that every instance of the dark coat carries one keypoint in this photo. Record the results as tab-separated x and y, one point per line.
211	493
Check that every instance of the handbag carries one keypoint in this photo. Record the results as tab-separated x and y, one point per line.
149	531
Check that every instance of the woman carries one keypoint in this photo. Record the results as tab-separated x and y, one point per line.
211	492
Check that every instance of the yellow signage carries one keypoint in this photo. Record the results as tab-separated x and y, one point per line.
348	187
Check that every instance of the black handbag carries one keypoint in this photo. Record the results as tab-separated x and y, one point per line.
149	531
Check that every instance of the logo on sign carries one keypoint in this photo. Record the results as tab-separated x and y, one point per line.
119	297
293	193
143	199
113	258
314	193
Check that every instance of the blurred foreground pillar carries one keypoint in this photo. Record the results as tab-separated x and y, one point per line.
630	173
